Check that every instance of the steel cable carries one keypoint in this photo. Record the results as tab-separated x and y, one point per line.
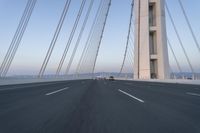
179	38
55	37
101	36
70	38
88	38
189	25
79	36
177	63
129	30
12	44
19	37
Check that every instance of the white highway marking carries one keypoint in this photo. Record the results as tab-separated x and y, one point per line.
50	93
131	96
193	94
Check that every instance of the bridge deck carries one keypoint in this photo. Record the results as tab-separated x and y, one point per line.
88	106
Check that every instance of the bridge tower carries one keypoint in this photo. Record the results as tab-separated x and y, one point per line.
151	53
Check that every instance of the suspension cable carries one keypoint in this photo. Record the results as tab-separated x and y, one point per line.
17	37
79	36
129	30
54	39
10	49
88	38
70	38
131	45
101	37
177	63
189	25
131	48
88	59
128	60
180	41
93	33
130	57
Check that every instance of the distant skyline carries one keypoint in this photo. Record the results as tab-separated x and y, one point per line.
45	18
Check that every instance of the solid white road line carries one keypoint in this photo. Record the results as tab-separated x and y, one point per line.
131	96
193	94
50	93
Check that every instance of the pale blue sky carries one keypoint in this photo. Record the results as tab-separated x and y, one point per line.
45	18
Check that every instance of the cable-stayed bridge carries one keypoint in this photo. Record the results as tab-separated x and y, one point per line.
68	90
80	54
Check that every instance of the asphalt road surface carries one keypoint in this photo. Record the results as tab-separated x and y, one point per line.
98	106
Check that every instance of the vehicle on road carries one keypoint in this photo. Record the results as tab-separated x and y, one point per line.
111	78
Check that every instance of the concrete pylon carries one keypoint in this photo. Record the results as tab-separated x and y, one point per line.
151	53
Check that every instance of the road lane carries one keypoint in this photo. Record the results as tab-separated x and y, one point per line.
168	100
50	93
14	99
142	101
92	106
193	94
39	113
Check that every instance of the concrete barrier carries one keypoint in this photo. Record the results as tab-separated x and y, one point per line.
177	81
12	81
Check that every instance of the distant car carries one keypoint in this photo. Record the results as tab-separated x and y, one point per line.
111	78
